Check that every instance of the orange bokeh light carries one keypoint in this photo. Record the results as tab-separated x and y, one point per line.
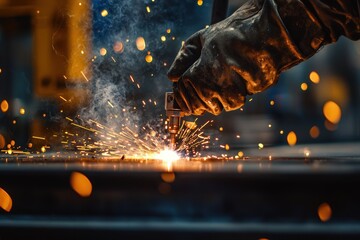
80	184
5	200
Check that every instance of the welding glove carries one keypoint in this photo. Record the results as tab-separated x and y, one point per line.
244	54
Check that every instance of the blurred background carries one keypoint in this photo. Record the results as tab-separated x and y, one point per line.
67	58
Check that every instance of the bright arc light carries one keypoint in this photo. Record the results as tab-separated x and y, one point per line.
168	155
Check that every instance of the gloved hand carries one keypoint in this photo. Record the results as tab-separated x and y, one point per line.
244	54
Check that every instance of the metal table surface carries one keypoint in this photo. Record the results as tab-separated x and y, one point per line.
248	198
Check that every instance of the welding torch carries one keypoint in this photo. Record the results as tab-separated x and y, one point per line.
174	114
173	111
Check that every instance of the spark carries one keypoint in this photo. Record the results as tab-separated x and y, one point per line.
40	138
131	78
104	13
64	99
83	74
110	104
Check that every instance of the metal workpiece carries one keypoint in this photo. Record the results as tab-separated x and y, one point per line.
174	114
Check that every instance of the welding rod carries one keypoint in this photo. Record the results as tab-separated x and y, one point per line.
174	114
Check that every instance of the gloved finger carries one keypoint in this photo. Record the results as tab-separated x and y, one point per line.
188	100
181	99
197	106
233	95
194	99
187	55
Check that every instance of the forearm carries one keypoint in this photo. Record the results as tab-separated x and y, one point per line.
313	23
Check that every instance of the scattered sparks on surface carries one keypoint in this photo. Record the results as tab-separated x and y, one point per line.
200	2
22	111
148	9
272	103
163	38
261	145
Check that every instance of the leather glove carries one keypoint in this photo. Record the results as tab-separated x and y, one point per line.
244	54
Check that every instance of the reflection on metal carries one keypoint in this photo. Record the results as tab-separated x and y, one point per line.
168	177
80	184
5	200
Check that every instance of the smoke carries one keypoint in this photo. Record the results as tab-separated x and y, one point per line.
125	88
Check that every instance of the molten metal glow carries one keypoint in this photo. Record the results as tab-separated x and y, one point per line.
167	155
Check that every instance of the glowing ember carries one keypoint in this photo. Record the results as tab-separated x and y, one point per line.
167	156
22	111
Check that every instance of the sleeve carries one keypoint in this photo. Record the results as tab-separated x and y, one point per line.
314	23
